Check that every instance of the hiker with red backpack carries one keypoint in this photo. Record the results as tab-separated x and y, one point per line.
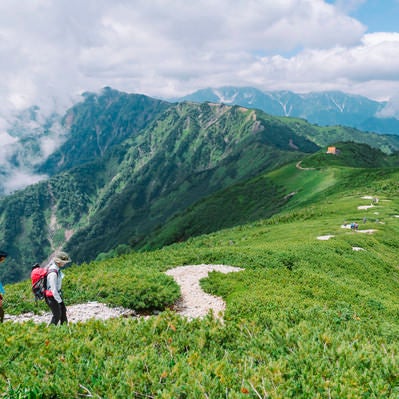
53	294
3	256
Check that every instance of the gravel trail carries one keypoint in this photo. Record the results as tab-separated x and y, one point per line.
193	303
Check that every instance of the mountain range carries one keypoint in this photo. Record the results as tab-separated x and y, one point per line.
323	108
138	173
34	134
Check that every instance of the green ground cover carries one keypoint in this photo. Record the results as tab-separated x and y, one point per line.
307	318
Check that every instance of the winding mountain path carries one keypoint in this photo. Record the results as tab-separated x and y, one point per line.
193	303
298	166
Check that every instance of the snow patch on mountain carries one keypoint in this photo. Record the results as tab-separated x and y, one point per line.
223	97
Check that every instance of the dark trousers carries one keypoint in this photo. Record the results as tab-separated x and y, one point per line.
58	310
1	314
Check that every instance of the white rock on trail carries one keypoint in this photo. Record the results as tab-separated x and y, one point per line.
360	207
326	237
194	302
75	313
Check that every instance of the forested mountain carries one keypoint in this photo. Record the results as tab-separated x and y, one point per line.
99	123
131	163
324	108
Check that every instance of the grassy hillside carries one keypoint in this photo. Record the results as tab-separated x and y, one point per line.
190	152
269	193
326	135
356	155
307	318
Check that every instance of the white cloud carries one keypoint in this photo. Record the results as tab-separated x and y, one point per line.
19	179
49	143
58	49
352	69
347	6
25	143
7	142
6	146
391	110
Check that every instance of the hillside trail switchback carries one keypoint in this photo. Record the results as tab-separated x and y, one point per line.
194	302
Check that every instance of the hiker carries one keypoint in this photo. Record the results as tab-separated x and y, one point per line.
53	295
3	256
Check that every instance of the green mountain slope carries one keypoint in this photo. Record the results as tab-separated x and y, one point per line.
99	123
326	135
268	194
189	153
132	163
307	317
239	204
356	155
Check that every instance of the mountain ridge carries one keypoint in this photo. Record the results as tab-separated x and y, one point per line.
323	108
35	134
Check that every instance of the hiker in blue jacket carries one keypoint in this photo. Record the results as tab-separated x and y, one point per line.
3	256
53	295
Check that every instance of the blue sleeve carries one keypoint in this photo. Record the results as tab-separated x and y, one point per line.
2	289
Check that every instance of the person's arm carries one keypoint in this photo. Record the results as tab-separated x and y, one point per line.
52	279
2	292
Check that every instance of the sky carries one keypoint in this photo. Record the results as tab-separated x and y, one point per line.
53	51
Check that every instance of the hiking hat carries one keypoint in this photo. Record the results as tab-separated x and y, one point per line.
62	257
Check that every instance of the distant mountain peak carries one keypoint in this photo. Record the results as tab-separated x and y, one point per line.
325	108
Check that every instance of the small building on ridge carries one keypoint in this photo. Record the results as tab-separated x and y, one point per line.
332	150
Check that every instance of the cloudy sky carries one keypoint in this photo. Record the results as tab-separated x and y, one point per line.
53	50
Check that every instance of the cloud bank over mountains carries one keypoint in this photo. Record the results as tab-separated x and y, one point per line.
56	50
27	139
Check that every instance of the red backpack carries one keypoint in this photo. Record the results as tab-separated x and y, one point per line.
38	277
